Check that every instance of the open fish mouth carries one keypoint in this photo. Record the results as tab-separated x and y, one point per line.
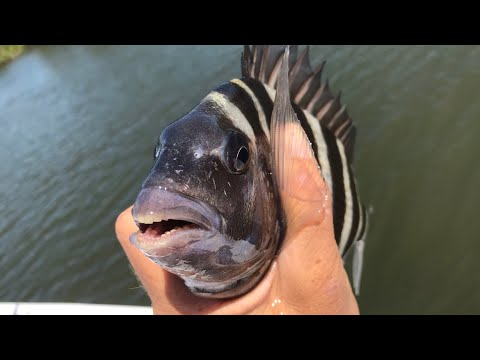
169	221
185	236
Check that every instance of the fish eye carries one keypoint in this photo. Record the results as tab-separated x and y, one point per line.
241	159
236	153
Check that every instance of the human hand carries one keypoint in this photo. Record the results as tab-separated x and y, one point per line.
300	281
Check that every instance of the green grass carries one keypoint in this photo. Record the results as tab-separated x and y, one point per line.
10	52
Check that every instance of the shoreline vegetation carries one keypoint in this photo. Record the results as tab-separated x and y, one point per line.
10	52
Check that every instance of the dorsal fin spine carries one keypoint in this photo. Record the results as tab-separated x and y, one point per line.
262	62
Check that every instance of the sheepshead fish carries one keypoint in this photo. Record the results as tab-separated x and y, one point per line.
210	211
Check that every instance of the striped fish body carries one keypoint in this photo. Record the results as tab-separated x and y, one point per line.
255	100
211	196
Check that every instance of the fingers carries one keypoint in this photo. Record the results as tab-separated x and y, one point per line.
151	276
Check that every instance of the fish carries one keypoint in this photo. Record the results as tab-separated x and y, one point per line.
210	210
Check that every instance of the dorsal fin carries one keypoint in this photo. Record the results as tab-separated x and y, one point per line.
262	62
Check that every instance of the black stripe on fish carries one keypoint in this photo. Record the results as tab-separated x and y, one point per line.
265	101
242	100
356	215
322	150
306	127
338	192
364	223
349	201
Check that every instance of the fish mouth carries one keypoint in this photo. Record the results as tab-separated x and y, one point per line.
170	221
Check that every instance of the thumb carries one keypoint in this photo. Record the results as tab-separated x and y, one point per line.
310	270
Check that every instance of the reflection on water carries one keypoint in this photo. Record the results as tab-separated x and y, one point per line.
78	125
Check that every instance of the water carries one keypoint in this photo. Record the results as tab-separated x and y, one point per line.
77	130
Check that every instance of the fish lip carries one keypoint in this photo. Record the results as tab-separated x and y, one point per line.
153	204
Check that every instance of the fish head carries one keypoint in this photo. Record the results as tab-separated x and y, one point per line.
208	210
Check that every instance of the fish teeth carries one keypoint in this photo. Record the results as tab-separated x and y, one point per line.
176	228
151	217
170	231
